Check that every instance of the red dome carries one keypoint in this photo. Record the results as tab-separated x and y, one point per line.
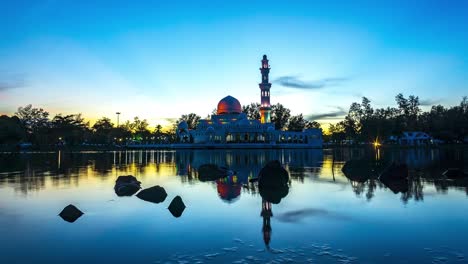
228	192
229	105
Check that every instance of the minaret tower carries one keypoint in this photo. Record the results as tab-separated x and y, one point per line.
265	109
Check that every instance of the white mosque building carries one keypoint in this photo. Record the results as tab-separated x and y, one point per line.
230	127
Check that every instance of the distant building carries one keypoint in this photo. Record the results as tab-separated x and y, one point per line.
413	138
231	126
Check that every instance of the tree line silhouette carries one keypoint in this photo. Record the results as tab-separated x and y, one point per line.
34	125
362	123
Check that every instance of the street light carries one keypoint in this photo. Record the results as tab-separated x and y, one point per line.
118	114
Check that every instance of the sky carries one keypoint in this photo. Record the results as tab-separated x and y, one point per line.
160	59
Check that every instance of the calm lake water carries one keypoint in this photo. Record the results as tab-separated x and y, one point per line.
325	217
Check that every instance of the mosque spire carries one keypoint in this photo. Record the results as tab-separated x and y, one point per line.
265	108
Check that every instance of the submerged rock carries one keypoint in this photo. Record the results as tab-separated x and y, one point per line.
70	213
177	206
126	185
212	172
155	194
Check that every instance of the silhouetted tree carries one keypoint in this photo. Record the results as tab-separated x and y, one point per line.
252	111
36	123
280	115
70	128
296	123
11	130
191	119
102	131
312	124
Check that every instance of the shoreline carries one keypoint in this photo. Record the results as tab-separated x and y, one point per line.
14	148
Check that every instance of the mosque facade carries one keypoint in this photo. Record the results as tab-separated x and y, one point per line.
231	127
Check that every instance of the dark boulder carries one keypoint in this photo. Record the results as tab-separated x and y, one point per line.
396	185
395	171
273	194
126	185
361	170
177	206
395	177
273	182
273	174
155	194
212	172
70	213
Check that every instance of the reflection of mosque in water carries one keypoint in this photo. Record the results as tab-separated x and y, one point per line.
266	214
246	163
27	172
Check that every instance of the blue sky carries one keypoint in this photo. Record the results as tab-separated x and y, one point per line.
160	59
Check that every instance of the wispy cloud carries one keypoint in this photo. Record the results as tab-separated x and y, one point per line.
340	112
170	119
11	81
295	82
429	102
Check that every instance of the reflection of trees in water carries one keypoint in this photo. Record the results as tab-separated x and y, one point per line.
30	171
425	168
368	188
416	186
442	185
371	186
415	190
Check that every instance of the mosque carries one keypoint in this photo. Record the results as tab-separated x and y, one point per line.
230	127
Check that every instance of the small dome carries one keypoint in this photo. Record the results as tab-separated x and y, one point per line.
210	129
270	128
229	105
183	125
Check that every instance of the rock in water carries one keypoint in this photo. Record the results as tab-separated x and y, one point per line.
155	194
362	170
273	174
70	213
395	172
395	177
273	182
126	186
177	206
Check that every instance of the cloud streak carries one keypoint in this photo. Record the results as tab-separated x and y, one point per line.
170	119
296	83
340	112
429	102
11	81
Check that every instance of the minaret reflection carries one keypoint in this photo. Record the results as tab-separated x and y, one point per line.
266	228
